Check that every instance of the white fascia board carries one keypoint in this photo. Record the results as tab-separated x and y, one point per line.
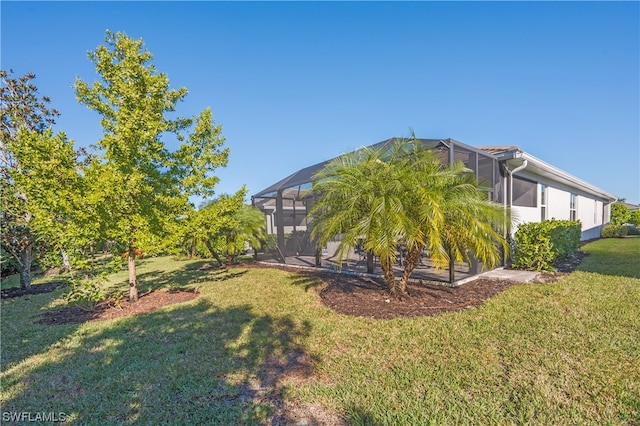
566	177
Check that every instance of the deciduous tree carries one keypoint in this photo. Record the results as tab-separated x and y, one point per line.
143	185
22	110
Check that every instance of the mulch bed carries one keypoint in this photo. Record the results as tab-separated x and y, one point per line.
368	297
147	302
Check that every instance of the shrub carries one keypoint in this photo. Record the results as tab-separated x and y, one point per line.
620	214
539	244
85	293
565	237
9	264
633	230
533	248
614	231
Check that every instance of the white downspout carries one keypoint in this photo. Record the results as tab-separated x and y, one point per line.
508	202
510	173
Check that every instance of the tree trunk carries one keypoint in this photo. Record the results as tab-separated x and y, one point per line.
26	257
194	247
411	260
389	278
213	252
452	270
370	262
65	261
133	287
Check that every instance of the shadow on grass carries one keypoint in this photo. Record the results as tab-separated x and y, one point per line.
21	336
308	281
192	364
185	279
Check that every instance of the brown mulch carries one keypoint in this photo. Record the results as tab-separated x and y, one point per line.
366	297
109	309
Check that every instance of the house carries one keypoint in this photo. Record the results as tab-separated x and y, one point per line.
532	188
539	191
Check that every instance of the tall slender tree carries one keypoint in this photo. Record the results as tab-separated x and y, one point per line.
22	111
143	185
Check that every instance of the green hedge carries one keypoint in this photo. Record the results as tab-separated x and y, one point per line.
614	231
539	244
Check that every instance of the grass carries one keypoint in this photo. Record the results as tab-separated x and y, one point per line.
557	353
614	256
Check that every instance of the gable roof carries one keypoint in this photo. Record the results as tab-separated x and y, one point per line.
535	165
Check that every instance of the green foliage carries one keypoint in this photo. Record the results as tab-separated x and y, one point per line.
56	190
633	230
245	229
22	111
534	248
8	263
620	214
142	188
539	244
225	227
565	236
403	194
614	231
634	217
85	293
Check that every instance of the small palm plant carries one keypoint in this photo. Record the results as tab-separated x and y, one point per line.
402	193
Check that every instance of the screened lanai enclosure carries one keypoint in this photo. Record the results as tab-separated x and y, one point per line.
287	202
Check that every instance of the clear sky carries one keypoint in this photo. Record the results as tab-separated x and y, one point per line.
296	83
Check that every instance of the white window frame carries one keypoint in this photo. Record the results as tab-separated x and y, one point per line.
573	206
544	192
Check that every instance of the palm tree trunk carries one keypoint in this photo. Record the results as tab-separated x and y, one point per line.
370	262
389	278
410	262
452	270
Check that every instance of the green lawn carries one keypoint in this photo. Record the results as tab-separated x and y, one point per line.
557	353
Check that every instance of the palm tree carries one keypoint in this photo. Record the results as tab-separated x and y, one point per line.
247	226
361	198
403	194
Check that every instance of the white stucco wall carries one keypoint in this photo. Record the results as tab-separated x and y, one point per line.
592	212
558	203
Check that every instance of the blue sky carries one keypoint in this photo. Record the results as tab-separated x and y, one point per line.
296	83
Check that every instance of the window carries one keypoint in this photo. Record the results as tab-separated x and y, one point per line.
524	192
572	207
543	202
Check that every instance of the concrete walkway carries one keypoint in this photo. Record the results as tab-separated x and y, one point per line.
503	274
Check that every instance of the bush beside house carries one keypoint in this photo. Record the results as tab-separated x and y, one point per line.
539	244
614	231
